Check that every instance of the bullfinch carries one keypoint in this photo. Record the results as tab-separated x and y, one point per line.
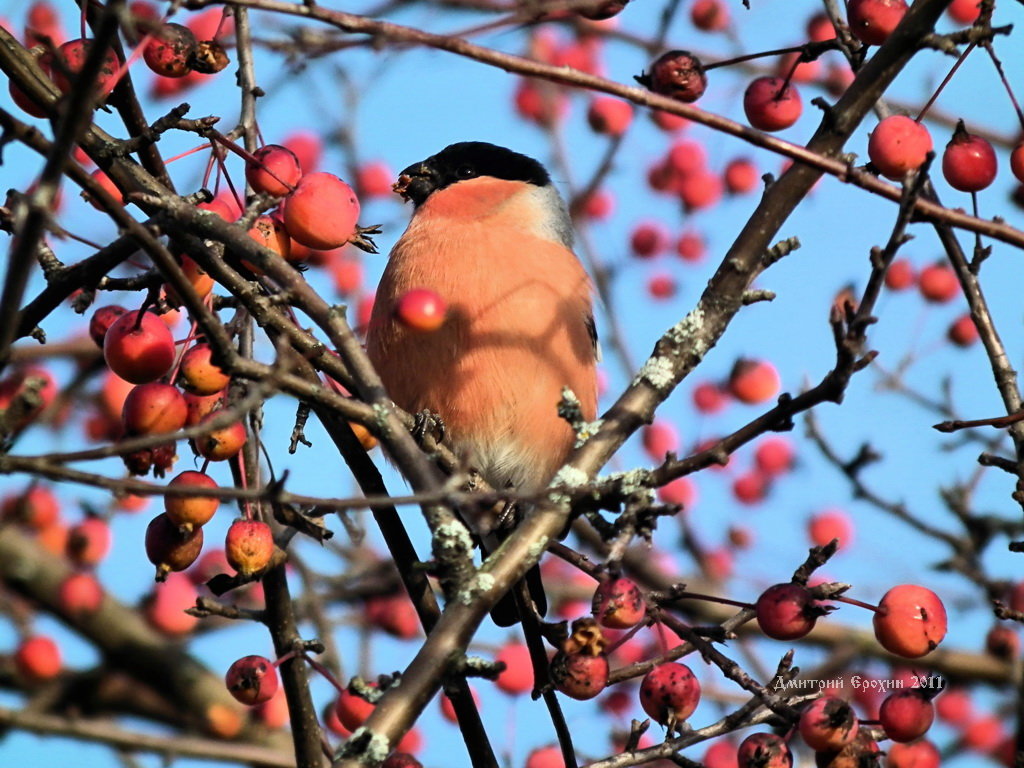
492	237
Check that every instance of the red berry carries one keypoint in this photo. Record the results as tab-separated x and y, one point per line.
102	319
708	397
1017	162
1003	642
828	724
984	734
710	15
680	492
165	609
223	443
786	611
252	680
517	676
36	508
374	179
80	594
963	332
38	658
753	381
900	275
686	157
910	621
820	28
307	147
188	512
872	21
668	122
741	176
699	191
919	754
545	757
969	162
764	750
598	206
658	439
139	347
898	145
421	309
662	286
198	374
170	50
249	546
964	11
73	54
169	548
579	676
771	105
649	239
750	487
678	75
609	115
154	409
906	715
954	706
773	456
830	524
938	283
618	603
322	211
89	542
690	246
395	614
670	693
275	170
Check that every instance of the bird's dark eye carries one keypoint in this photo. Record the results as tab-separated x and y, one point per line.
465	172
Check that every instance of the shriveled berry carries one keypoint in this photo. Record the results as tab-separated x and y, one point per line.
678	75
764	750
579	676
169	548
169	51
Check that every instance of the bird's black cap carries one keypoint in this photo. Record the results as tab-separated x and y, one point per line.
467	160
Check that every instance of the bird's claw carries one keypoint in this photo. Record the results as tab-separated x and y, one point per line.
427	425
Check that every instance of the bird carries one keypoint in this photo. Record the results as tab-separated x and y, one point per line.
492	237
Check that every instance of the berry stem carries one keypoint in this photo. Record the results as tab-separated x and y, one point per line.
326	673
945	80
714	599
1006	83
858	603
811	50
290	655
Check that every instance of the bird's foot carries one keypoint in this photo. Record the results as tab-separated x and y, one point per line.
427	427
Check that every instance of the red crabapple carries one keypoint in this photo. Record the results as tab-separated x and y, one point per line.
322	211
37	658
72	55
198	374
154	409
89	542
764	750
969	162
954	706
374	179
963	332
964	11
274	170
906	715
139	347
872	21
188	512
918	754
662	286
252	680
910	621
222	443
1017	162
771	104
787	611
773	456
165	608
900	275
1003	642
709	397
609	116
898	145
753	381
670	693
830	524
36	508
249	546
170	49
690	246
618	603
517	677
352	709
741	176
658	439
580	675
545	757
828	723
169	548
820	28
938	283
101	320
80	594
421	309
699	190
648	239
680	492
710	15
394	614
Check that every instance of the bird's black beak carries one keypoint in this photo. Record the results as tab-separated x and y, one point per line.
417	182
